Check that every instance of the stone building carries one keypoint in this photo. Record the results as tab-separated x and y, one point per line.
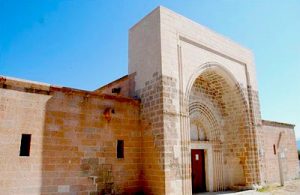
185	119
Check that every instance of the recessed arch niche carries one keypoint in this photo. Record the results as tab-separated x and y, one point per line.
218	117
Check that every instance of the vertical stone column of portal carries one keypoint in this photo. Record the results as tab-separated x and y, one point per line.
176	137
185	135
256	160
172	136
185	147
257	125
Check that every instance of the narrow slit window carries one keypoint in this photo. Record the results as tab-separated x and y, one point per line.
25	145
120	149
274	149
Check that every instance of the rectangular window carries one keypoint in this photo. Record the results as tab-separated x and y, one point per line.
274	149
25	145
120	149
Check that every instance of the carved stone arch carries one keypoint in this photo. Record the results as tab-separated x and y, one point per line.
216	83
213	120
223	71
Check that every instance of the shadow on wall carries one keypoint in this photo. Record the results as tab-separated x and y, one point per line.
80	143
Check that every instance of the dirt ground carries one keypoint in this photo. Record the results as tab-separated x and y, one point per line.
290	188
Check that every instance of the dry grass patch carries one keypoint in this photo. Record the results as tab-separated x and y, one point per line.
269	188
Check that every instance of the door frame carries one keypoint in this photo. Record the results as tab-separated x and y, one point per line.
198	171
208	157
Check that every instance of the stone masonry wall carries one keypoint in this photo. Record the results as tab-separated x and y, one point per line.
153	176
144	63
176	49
290	163
21	113
123	84
71	141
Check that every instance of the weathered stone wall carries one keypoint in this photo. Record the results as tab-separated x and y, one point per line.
71	141
290	164
153	177
20	113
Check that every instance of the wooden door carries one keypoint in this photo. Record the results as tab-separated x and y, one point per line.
198	171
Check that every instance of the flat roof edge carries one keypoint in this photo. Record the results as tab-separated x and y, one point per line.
275	123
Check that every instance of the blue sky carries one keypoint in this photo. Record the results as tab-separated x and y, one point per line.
83	44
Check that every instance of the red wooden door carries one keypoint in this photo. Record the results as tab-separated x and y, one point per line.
198	171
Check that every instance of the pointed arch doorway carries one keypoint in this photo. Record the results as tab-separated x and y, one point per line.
218	119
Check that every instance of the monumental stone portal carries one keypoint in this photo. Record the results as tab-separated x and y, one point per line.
185	119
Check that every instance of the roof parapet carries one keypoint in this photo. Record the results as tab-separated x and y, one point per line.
46	89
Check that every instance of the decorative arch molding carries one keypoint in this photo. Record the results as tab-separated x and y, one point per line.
213	146
220	70
207	113
241	97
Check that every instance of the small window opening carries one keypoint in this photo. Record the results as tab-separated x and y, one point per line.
120	149
274	149
116	90
25	145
